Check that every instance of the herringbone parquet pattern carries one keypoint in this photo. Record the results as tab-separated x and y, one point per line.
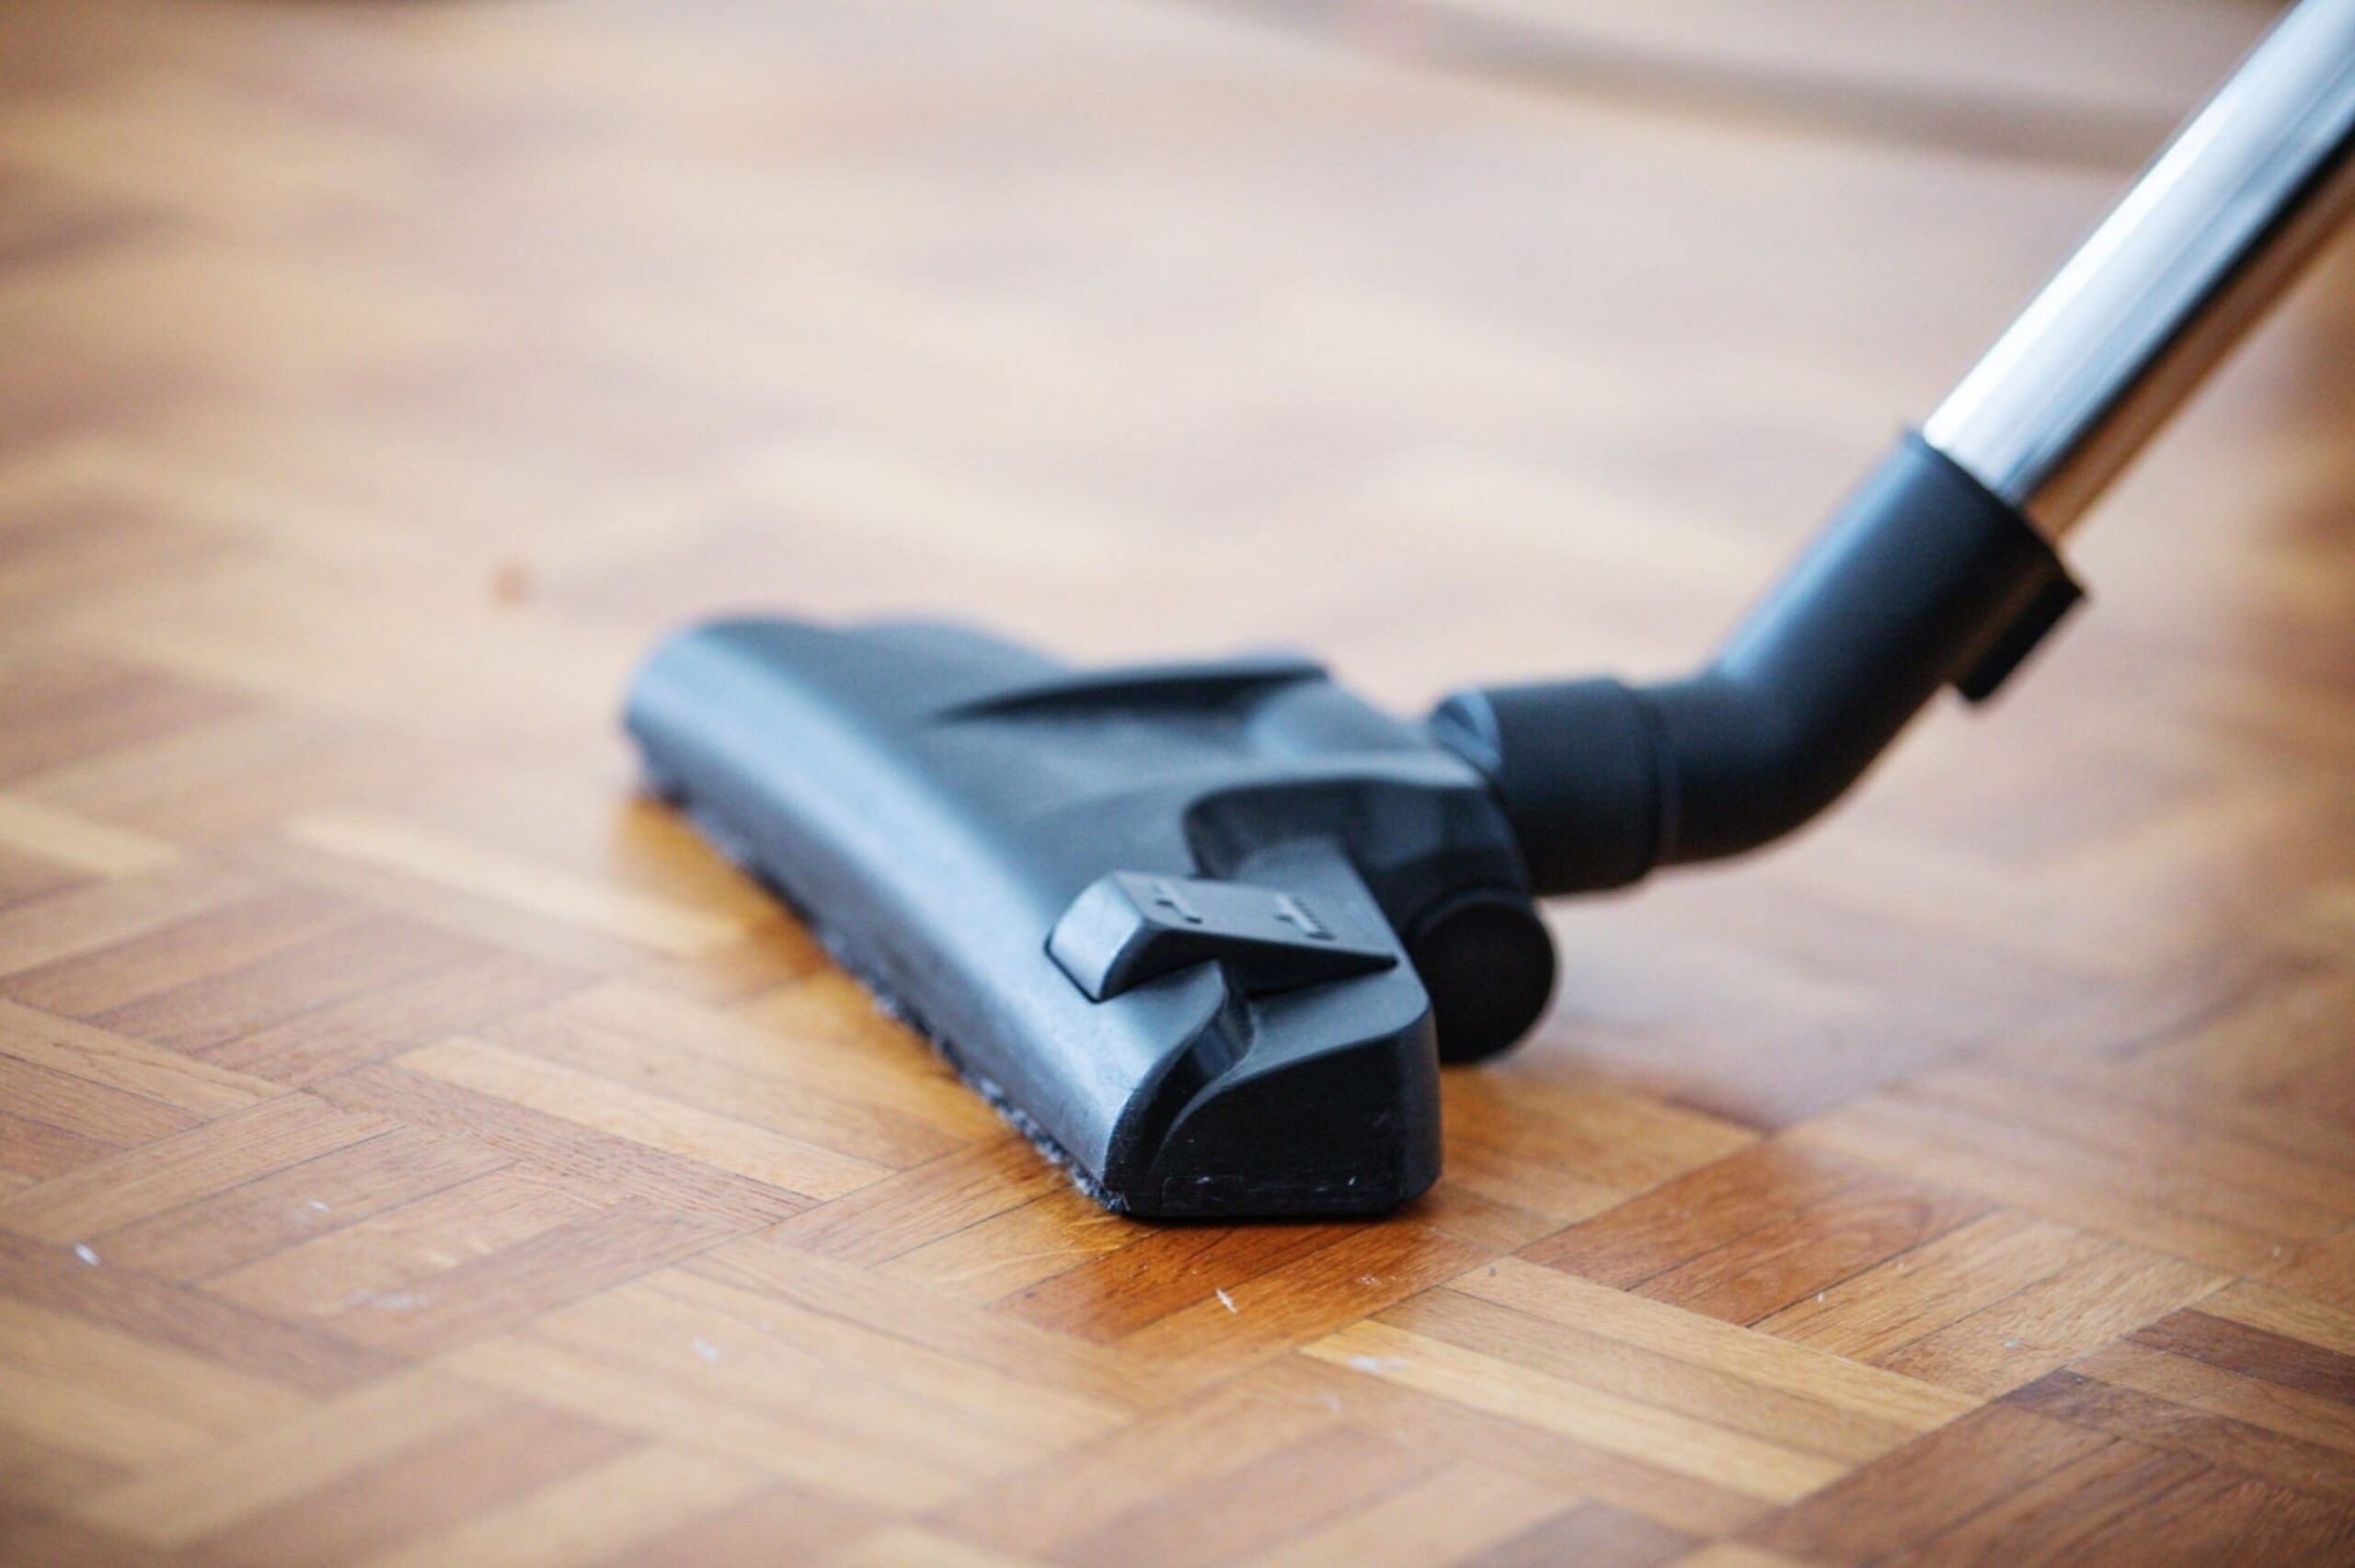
414	1148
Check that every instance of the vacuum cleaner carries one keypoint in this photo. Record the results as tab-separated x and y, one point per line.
1206	932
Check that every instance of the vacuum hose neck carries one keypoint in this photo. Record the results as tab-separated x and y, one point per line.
1923	580
1940	569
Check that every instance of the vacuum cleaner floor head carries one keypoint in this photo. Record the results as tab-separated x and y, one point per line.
1203	932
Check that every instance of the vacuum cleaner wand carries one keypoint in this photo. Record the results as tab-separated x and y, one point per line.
1205	932
1940	569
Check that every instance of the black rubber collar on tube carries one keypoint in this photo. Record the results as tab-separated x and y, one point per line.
1923	579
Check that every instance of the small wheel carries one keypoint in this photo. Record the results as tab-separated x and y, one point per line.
1486	962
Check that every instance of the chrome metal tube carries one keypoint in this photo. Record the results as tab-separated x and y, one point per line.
2211	232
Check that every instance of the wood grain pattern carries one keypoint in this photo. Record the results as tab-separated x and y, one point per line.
415	1147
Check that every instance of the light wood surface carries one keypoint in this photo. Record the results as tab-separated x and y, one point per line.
415	1149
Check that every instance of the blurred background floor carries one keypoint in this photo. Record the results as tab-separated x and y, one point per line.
413	1147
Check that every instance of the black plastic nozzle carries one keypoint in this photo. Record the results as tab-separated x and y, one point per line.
1923	579
1206	931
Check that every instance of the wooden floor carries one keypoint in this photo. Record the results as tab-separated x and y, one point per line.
414	1148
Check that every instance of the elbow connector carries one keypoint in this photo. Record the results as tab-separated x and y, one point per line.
1923	579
